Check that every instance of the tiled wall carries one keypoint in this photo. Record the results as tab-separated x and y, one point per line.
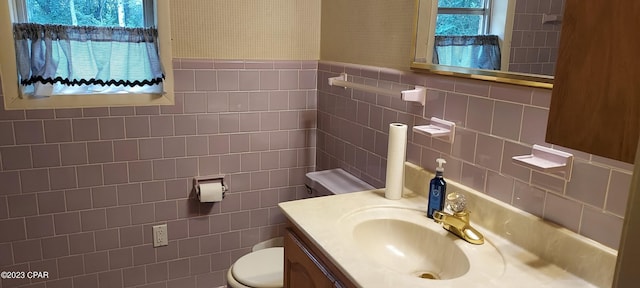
81	188
534	46
494	122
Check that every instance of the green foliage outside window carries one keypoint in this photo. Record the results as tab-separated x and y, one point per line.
111	13
459	24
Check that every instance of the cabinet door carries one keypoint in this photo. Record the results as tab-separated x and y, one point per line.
595	104
301	268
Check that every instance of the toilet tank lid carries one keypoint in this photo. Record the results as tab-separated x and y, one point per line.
335	181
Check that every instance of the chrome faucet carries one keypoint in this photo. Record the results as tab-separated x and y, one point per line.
458	222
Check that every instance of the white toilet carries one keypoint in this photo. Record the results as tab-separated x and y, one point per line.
264	266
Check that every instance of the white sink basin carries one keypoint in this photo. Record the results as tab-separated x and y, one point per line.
408	243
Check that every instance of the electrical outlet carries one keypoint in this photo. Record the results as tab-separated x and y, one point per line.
160	237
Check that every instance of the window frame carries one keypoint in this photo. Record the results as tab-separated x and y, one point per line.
13	100
485	12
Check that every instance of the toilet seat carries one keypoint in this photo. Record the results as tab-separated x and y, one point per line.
262	268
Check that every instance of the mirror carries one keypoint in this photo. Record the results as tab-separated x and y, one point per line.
527	33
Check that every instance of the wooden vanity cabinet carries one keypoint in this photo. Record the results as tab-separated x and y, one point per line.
306	267
595	103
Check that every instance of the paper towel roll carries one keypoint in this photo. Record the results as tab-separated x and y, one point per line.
210	192
396	154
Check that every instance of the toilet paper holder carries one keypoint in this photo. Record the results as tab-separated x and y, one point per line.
209	179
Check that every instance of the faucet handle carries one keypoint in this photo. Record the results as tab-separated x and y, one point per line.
456	202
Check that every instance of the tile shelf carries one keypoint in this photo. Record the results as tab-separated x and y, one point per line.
438	128
547	160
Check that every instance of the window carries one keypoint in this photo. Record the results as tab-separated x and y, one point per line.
463	17
109	16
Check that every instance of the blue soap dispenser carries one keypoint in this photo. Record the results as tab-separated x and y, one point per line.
437	190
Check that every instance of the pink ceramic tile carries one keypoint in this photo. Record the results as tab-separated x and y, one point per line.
118	217
188	247
110	279
198	226
150	148
153	191
147	110
167	210
51	202
156	272
93	219
115	173
209	165
287	159
297	100
185	124
78	199
547	182
288	79
81	243
562	211
29	132
143	254
238	101
507	120
16	157
184	80
16	225
133	276
24	251
534	125
618	192
269	121
110	128
602	227
279	178
104	196
249	122
269	160
541	98
230	163
258	101
208	123
210	243
107	239
178	268
289	120
131	236
50	266
197	145
195	102
307	79
232	203
489	152
121	111
35	180
174	147
512	93
100	152
96	262
143	213
178	106
259	141
74	153
588	183
229	123
456	108
249	162
186	167
86	129
473	176
164	169
230	241
269	80
40	114
249	80
259	180
86	280
161	125
240	182
70	266
465	145
6	134
479	114
217	102
178	229
120	258
472	87
89	175
206	80
57	131
66	223
129	194
39	226
200	265
239	143
22	205
177	189
529	198
508	167
228	80
137	126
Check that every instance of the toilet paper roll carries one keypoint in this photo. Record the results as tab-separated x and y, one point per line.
210	192
396	154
